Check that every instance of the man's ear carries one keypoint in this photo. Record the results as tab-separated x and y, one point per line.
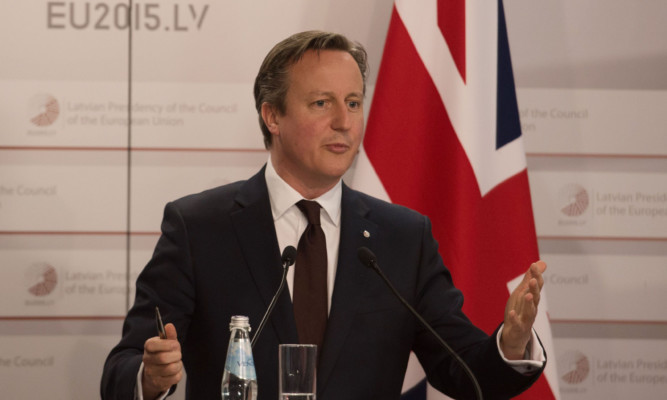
270	117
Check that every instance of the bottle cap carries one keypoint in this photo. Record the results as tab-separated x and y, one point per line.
239	321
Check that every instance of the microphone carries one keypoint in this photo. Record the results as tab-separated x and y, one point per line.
288	258
367	258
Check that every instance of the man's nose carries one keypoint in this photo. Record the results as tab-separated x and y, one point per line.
342	120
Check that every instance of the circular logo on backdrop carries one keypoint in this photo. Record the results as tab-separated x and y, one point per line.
43	110
41	279
573	200
573	367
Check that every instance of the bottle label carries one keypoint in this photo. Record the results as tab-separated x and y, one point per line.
240	361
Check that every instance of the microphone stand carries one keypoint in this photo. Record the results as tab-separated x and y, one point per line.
288	258
368	258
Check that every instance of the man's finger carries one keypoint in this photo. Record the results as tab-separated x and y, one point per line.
170	329
538	268
535	290
162	358
156	345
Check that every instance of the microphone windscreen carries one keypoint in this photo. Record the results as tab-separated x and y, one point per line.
289	256
366	256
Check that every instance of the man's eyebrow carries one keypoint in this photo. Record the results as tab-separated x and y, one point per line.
331	94
320	93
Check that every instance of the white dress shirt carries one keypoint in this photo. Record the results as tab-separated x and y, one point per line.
290	222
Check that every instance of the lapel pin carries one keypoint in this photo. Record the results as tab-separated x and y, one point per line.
366	234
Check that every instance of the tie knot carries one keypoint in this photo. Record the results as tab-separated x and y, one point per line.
311	209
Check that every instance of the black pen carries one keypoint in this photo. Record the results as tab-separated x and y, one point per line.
160	326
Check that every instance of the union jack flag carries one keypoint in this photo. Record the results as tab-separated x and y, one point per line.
444	138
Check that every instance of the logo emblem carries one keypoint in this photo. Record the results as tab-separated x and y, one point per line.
43	110
573	199
42	279
573	367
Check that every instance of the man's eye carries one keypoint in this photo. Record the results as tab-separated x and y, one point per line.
354	104
320	103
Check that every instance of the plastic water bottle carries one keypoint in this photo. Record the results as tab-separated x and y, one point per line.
239	381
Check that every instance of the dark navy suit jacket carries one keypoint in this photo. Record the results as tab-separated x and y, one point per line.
218	256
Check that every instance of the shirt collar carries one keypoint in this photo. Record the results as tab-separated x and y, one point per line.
283	196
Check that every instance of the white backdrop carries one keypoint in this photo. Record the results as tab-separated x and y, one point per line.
81	199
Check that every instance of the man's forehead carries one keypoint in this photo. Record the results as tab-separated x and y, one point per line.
325	58
315	68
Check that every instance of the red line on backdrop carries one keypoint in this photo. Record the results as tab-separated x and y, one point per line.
220	150
605	322
21	148
605	238
160	149
63	318
597	155
99	233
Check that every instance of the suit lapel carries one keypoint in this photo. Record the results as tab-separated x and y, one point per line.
351	277
253	223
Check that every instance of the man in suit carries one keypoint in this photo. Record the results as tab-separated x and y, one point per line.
219	255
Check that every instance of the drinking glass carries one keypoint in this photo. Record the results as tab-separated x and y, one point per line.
298	372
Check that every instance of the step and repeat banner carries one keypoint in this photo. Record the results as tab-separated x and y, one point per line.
83	186
592	87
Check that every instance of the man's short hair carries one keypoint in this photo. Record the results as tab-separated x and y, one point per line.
271	83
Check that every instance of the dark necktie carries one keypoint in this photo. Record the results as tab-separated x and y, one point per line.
310	279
